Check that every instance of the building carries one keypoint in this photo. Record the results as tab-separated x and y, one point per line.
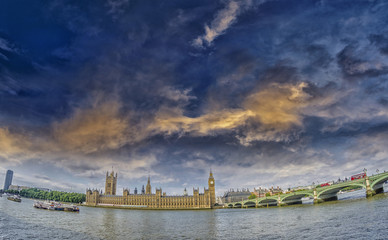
263	192
43	189
275	191
147	199
301	188
110	184
8	179
260	192
236	196
18	188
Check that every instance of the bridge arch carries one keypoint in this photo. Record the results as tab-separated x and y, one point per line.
334	189
237	205
267	201
250	204
379	180
297	196
230	205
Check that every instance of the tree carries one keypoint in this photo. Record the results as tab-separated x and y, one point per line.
53	195
12	191
252	196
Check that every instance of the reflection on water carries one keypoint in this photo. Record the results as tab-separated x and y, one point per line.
353	217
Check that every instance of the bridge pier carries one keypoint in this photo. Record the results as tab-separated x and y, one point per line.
316	199
369	191
280	203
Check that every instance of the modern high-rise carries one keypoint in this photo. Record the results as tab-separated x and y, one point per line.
8	179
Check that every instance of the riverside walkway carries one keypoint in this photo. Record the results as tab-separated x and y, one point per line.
372	185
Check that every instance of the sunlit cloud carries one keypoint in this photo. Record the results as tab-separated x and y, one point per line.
13	147
221	22
275	109
279	105
97	128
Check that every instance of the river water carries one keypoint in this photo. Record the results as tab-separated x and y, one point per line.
352	217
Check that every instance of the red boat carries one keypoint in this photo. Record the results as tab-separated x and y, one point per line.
358	176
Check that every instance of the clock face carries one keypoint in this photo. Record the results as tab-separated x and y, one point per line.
211	182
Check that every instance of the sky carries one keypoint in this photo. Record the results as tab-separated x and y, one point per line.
262	92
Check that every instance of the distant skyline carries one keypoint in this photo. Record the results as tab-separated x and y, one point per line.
265	93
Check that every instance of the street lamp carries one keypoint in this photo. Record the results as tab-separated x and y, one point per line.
377	171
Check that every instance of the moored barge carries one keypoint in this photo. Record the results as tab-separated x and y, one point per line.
56	206
14	198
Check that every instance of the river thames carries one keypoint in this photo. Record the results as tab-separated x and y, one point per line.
352	217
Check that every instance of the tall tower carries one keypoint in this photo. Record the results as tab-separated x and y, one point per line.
8	180
148	187
212	189
110	183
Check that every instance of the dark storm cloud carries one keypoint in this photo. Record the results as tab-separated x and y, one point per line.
259	91
319	58
384	101
381	41
280	74
354	66
14	64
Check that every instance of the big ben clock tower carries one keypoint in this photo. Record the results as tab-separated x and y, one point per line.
212	189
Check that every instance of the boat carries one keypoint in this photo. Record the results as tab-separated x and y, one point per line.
56	206
14	198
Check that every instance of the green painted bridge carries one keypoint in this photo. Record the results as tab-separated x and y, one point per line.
372	185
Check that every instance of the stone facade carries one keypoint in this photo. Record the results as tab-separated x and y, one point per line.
260	192
263	192
110	184
18	188
236	196
157	200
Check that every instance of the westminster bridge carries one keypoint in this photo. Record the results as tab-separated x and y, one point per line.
372	185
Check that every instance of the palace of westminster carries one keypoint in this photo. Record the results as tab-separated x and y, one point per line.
147	199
